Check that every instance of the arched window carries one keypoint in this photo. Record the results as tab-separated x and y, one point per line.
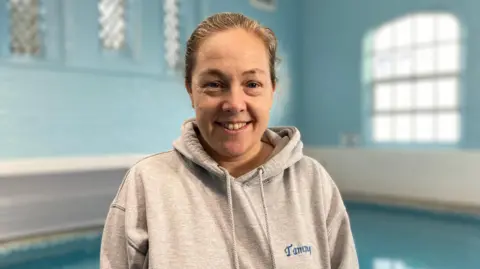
414	80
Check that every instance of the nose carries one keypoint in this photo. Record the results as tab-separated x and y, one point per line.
234	101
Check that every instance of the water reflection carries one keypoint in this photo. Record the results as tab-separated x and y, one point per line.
386	263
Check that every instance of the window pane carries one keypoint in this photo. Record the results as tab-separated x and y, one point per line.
448	130
383	38
404	63
424	29
403	32
424	95
112	23
447	93
383	97
382	128
25	36
448	58
424	60
383	65
423	127
403	96
447	28
403	128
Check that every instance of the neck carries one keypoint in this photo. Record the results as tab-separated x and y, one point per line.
237	166
242	164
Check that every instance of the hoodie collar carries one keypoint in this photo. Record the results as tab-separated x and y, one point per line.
288	149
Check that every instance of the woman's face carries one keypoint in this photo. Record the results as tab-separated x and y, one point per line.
232	92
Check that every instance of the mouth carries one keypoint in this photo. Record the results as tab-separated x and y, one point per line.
234	127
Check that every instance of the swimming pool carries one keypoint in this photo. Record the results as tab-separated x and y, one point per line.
386	238
69	251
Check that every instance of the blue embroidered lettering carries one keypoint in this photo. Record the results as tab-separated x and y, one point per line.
287	250
290	250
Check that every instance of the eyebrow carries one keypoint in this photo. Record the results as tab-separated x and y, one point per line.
219	73
214	72
254	71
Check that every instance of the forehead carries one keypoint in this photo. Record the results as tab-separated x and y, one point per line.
234	48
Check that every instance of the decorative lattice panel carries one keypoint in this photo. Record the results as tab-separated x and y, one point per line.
112	23
268	5
172	33
25	27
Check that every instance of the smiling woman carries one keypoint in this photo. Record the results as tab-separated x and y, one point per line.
228	193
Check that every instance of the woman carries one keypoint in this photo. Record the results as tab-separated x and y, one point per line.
233	193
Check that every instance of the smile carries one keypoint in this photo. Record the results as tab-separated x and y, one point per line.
233	127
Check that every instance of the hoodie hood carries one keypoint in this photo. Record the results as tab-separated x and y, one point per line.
288	149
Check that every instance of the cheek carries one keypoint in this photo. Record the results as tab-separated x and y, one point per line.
261	111
205	112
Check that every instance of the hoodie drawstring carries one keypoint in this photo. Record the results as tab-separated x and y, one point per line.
265	212
232	220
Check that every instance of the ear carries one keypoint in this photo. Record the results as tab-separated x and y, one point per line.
188	86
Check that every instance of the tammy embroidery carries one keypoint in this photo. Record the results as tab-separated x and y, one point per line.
298	250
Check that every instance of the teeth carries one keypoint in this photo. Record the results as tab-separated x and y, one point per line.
234	126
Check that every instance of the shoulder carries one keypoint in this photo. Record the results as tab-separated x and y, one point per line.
153	169
163	160
319	181
312	168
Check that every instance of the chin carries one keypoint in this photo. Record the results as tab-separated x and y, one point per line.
233	149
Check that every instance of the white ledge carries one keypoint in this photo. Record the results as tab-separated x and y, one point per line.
36	166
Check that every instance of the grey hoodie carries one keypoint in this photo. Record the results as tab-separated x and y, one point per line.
180	209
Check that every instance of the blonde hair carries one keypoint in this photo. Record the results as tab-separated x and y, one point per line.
225	21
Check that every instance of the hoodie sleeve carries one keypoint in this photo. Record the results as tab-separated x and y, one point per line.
124	240
343	254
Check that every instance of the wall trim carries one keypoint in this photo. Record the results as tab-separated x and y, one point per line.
39	166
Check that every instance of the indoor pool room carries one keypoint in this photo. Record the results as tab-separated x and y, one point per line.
332	134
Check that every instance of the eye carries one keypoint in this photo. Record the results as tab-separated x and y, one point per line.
253	84
213	84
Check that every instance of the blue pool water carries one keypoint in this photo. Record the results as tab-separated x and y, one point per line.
386	238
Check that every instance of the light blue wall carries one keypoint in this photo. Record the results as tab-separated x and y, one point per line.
81	101
332	102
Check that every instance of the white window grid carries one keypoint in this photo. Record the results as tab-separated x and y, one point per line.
415	80
25	27
112	22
